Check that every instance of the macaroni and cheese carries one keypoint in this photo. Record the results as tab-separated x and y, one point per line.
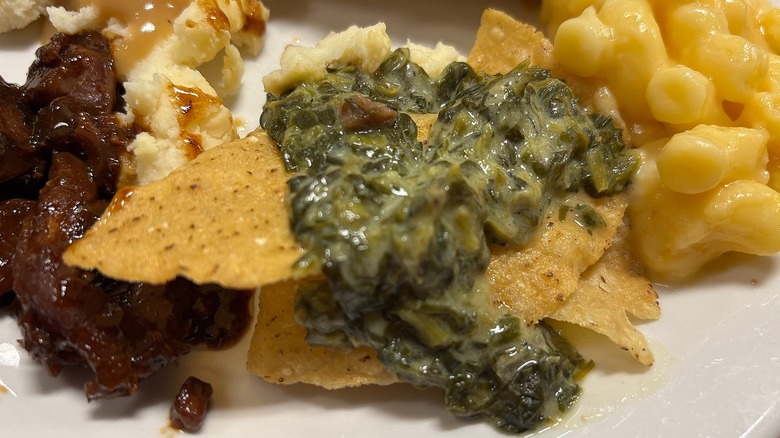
698	87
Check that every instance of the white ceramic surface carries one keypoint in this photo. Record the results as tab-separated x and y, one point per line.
717	342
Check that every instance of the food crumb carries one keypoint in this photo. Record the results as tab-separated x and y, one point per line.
191	404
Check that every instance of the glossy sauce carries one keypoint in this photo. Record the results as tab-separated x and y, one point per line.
193	105
255	23
146	22
121	197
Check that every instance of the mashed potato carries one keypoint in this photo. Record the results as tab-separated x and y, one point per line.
16	14
177	111
70	22
364	47
180	112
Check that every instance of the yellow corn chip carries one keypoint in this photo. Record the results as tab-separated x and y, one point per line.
527	282
503	42
608	291
279	352
535	280
220	218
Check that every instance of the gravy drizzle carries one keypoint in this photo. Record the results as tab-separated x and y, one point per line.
146	23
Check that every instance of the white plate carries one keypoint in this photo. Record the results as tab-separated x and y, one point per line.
717	343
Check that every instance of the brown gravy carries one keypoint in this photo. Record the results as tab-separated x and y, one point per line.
146	23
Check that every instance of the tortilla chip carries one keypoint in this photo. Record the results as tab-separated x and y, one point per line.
503	42
279	352
534	281
220	218
527	282
424	124
608	291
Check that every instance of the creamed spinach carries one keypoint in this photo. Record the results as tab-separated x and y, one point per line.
400	229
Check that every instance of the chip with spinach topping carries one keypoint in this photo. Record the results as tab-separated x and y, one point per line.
400	229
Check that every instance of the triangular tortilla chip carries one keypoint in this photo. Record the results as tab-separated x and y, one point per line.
609	291
218	219
503	42
279	352
536	280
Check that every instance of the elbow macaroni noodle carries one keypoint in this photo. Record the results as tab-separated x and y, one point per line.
698	87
